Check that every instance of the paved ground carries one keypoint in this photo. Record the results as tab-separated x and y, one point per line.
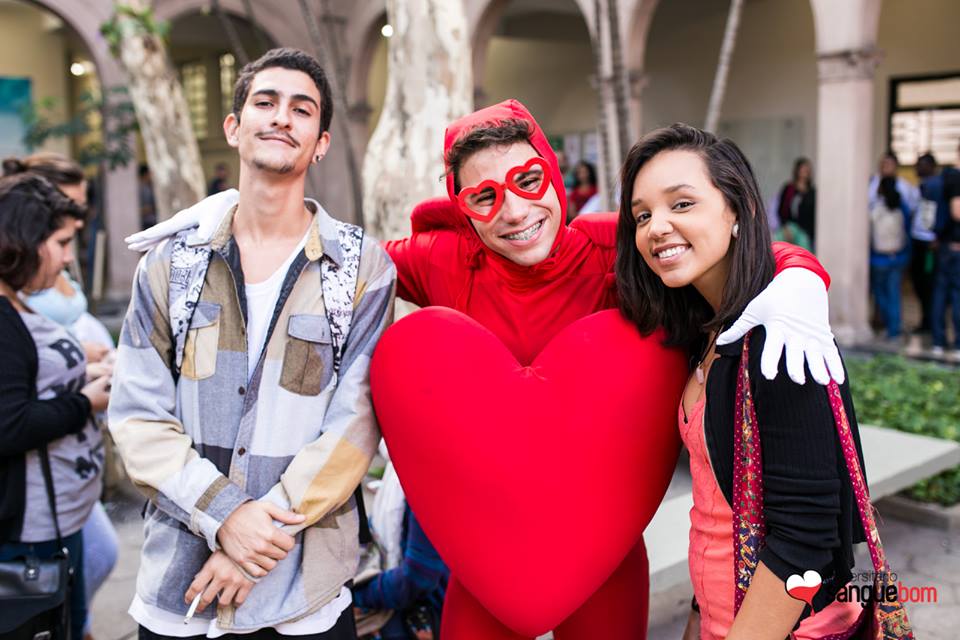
921	556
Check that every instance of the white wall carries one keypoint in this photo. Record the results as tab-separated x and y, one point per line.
29	48
771	97
551	78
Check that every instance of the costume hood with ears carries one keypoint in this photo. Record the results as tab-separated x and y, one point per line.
491	117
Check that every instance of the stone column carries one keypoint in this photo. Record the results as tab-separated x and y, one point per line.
637	81
844	143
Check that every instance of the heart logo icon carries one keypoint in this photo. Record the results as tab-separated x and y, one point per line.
805	587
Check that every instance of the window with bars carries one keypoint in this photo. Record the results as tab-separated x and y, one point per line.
925	116
228	77
193	76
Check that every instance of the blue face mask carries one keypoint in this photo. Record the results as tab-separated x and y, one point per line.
64	310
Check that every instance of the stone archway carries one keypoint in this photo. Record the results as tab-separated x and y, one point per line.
283	25
484	17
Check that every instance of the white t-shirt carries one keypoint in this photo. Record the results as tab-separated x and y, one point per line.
261	300
171	624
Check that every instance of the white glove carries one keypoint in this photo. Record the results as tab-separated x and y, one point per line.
794	311
206	215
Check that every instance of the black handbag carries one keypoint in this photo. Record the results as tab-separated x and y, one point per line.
35	593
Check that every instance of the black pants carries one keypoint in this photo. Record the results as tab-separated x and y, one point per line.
345	629
922	274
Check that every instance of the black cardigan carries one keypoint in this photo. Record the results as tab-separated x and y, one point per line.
810	509
26	423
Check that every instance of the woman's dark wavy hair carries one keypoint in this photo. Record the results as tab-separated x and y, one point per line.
887	189
31	209
591	172
683	312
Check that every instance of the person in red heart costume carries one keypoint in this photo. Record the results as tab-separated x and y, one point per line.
498	250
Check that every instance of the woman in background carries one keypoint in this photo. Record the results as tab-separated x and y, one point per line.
585	176
797	207
45	399
65	304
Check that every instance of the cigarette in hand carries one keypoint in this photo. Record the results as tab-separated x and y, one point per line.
193	608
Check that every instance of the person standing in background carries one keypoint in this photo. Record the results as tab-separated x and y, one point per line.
585	179
148	203
797	207
220	175
946	287
923	239
889	253
888	168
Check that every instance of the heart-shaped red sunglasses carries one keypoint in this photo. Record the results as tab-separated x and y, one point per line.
483	201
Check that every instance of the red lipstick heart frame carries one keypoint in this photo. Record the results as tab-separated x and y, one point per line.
533	482
498	189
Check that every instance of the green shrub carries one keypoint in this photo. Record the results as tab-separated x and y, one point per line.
916	397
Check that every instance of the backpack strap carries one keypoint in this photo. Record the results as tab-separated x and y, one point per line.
188	269
339	291
340	287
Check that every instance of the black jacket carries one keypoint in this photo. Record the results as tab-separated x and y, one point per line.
26	423
809	506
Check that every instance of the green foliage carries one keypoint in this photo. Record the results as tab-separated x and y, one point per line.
915	397
112	115
129	21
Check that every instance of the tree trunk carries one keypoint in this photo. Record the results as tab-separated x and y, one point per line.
619	79
328	54
429	84
171	147
723	66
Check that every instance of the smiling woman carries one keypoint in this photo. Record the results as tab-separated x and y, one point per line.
693	251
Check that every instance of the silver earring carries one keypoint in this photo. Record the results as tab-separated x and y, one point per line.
735	232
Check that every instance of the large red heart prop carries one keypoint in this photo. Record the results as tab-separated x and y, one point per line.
532	482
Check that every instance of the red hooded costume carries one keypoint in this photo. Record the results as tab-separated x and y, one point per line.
444	263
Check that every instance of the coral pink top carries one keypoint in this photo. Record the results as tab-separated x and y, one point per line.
711	547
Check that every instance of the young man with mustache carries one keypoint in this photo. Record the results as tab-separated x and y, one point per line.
241	397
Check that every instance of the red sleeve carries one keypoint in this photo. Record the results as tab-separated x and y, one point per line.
599	227
788	255
411	255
